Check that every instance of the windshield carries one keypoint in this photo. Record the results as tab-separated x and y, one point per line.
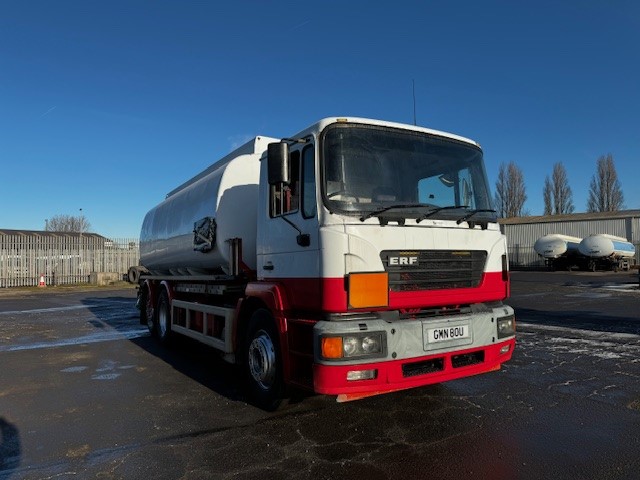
370	168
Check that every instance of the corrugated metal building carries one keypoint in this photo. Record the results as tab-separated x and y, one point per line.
522	232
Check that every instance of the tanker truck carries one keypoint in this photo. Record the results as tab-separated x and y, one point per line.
559	251
354	258
607	251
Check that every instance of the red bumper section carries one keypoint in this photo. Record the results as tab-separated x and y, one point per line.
394	375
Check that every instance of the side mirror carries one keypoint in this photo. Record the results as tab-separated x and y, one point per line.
278	163
446	180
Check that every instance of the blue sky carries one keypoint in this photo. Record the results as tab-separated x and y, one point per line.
107	106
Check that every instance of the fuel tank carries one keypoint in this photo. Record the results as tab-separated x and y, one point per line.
554	245
187	233
603	245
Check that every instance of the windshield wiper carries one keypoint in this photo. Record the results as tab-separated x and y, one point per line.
472	213
438	209
375	213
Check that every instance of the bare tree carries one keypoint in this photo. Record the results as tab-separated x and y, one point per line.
561	191
501	191
67	223
516	192
546	195
605	192
510	191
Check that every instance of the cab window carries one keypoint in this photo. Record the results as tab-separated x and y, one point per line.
308	182
285	199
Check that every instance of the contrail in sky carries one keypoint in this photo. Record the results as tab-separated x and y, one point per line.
300	25
48	111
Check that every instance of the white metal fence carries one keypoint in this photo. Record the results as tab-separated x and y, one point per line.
61	259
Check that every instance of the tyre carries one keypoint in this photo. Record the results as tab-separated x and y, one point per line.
262	362
146	310
133	275
162	324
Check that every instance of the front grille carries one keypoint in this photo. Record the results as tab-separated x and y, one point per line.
422	368
433	269
467	359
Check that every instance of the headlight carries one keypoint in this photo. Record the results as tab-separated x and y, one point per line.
350	346
357	345
371	345
506	326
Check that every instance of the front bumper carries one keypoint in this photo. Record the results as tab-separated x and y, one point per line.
409	359
402	374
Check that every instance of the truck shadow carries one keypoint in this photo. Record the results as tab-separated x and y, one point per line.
198	362
202	364
10	448
189	357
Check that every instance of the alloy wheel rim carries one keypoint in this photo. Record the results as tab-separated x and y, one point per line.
262	360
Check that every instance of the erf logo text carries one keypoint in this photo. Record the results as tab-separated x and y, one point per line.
403	260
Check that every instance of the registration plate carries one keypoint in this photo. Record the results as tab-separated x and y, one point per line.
448	333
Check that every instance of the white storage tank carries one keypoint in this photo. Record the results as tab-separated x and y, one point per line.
186	234
555	245
603	245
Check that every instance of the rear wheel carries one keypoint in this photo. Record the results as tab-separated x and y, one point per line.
263	361
146	310
162	322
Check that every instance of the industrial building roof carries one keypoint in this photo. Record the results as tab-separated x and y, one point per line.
44	233
571	217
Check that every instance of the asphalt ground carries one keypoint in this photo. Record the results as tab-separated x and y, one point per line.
86	393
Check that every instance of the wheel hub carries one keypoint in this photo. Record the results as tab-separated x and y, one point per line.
262	360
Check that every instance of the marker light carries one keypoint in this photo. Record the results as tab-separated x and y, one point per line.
331	347
368	290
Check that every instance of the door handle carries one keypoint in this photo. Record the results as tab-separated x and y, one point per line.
269	266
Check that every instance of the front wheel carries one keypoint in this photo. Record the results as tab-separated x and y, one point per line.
263	361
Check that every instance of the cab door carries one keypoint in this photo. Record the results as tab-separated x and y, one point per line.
288	250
